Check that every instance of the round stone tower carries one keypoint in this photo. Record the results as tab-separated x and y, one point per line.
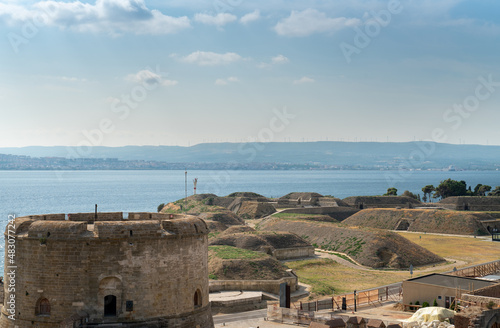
74	270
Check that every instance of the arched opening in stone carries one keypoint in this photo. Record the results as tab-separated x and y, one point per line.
197	298
42	307
110	306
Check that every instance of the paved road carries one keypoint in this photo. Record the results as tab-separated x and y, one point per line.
240	316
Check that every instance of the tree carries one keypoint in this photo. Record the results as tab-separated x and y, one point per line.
449	187
391	192
160	207
428	190
495	192
481	190
408	193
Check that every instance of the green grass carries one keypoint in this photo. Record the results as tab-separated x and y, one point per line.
233	253
292	216
213	234
342	256
326	276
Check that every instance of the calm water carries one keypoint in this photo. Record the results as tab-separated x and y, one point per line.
38	192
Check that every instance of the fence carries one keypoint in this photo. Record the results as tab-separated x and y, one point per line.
367	297
479	270
296	316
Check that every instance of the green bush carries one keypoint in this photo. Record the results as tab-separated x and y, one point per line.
435	303
162	205
425	304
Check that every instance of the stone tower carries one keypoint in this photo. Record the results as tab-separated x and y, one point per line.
149	270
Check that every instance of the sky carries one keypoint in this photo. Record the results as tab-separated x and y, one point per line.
183	72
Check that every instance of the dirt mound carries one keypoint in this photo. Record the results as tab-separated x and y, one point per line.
226	217
303	195
381	201
238	229
261	240
214	226
421	220
246	194
373	248
195	205
474	200
230	263
200	197
255	210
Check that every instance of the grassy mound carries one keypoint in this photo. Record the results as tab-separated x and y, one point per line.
195	204
420	220
381	201
231	263
238	229
255	210
261	241
245	194
300	216
370	247
223	216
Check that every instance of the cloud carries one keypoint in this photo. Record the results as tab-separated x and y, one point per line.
226	81
310	21
303	80
207	58
250	17
218	20
147	77
114	17
280	59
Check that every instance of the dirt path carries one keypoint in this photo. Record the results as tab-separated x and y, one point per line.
442	268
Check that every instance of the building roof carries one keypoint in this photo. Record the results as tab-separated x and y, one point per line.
444	280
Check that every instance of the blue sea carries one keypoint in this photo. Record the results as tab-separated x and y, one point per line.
39	192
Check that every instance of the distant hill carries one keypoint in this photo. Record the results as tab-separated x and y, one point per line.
415	155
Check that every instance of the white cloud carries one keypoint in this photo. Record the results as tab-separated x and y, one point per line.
109	16
207	58
226	81
250	17
220	82
280	59
304	79
310	21
147	77
218	20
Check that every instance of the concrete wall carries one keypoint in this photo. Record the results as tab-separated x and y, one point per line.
415	291
238	305
339	213
75	265
270	286
293	253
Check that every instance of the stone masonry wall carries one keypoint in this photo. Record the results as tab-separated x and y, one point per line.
75	265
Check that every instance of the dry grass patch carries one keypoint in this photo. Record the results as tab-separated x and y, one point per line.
470	250
326	276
